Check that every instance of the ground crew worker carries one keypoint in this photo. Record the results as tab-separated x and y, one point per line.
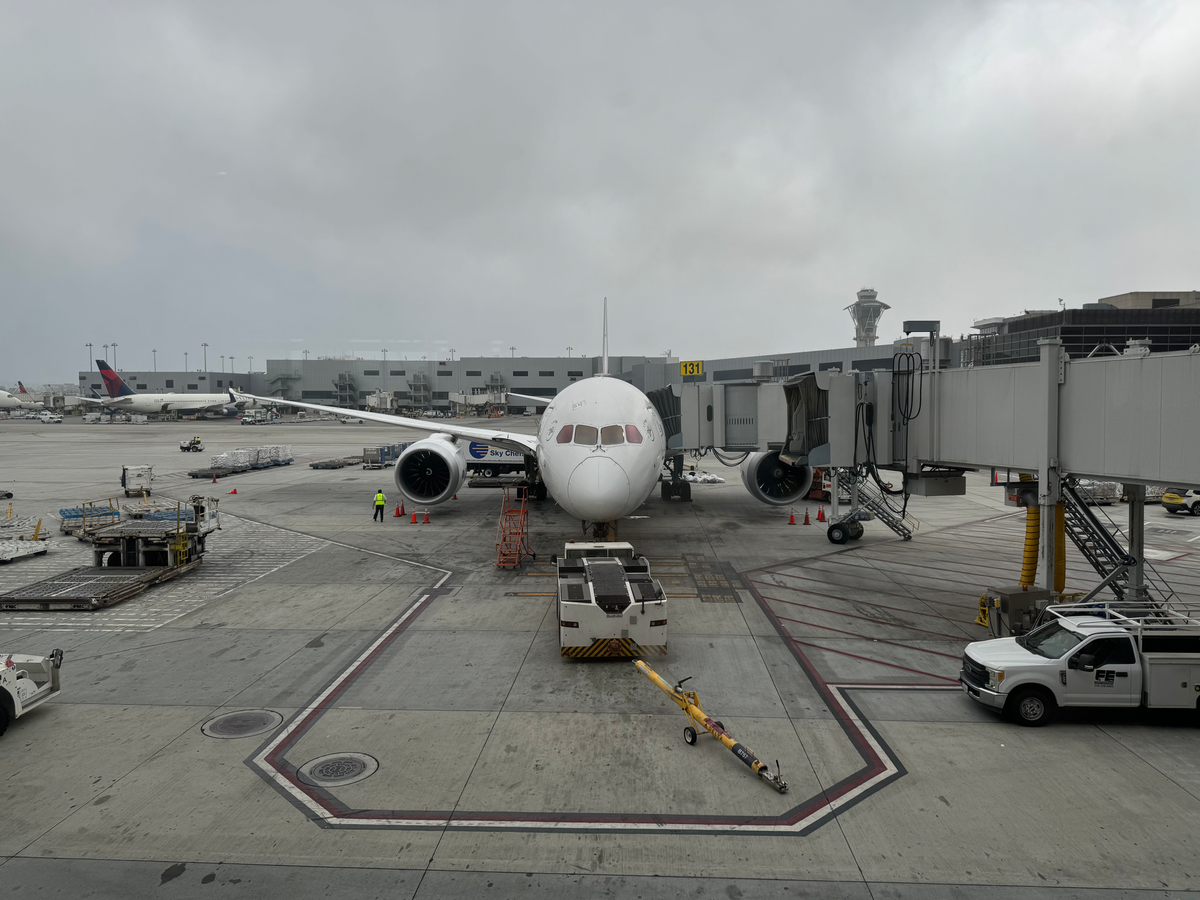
380	503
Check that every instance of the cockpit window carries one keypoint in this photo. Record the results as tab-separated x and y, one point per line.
632	434
612	434
586	434
564	435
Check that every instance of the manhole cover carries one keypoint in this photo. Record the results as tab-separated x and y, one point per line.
243	723
338	768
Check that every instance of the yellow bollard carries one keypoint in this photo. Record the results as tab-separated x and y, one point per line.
689	702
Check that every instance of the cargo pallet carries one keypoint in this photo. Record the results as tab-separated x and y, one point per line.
90	587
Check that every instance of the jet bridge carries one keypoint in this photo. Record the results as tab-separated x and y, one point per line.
1132	418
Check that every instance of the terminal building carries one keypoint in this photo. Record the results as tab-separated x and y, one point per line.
1168	320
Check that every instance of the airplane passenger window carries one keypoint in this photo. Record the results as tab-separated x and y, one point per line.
564	436
586	434
612	434
632	434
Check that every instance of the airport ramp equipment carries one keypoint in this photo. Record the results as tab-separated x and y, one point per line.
89	587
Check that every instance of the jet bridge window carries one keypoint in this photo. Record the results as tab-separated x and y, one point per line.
587	434
632	434
565	434
612	434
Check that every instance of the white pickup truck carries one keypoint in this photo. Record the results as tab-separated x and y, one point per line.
1088	656
26	682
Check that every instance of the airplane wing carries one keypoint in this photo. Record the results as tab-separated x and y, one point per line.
505	440
543	401
90	400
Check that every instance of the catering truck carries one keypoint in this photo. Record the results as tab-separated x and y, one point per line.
26	682
491	461
1089	655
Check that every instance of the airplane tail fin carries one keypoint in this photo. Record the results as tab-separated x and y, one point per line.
112	381
21	388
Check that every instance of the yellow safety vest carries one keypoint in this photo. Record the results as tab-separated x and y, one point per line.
380	500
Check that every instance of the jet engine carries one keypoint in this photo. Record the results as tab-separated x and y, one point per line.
771	480
431	470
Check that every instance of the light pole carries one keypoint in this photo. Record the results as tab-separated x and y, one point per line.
89	346
385	370
105	352
155	353
569	349
305	352
205	346
231	366
452	352
222	363
114	346
185	364
250	369
514	352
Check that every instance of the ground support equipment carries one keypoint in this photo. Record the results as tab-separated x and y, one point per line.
689	702
512	534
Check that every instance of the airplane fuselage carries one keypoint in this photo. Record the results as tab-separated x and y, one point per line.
600	448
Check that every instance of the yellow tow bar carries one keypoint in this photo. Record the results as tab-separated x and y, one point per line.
689	702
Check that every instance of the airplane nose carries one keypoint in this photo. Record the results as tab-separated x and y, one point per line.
598	489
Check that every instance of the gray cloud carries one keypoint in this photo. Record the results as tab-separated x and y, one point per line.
728	175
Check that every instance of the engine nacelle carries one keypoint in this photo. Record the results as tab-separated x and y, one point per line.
771	480
430	471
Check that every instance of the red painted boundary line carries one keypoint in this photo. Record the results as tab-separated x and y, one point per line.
874	640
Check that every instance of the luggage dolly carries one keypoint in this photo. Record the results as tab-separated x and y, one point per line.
689	702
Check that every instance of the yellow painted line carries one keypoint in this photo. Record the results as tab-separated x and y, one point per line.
683	595
530	594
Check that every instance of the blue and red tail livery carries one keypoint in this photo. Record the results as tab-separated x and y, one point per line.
112	381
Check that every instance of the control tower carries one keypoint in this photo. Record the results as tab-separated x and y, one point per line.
866	312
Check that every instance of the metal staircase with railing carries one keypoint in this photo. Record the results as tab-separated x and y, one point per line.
1095	535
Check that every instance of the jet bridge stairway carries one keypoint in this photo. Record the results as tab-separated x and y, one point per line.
872	504
1097	541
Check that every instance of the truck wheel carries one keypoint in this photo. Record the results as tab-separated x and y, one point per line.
1196	509
488	473
689	736
838	534
1032	707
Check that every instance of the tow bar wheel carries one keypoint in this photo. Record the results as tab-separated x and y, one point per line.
689	735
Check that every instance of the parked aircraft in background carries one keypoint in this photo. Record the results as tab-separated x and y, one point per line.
23	400
122	397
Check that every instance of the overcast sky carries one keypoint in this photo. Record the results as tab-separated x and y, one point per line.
272	177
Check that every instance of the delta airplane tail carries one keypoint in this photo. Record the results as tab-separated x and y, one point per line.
112	381
21	389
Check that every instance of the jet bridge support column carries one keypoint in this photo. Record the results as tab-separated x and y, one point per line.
1049	477
1136	495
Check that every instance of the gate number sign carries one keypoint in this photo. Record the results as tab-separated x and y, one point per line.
691	368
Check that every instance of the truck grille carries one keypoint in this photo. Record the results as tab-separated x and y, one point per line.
973	672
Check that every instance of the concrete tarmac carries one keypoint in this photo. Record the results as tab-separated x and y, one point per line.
464	756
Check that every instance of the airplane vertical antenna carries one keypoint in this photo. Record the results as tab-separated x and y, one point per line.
604	367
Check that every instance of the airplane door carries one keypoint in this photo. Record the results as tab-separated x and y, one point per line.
1100	673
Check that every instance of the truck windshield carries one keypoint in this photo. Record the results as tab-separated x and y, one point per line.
1051	641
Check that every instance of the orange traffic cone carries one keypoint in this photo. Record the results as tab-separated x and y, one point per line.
820	514
455	497
401	507
396	515
806	521
792	518
414	518
426	522
234	491
214	479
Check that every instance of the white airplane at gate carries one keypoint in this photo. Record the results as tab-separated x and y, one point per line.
599	451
